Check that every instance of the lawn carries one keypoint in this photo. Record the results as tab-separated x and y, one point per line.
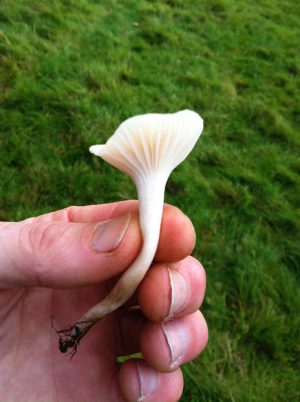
72	70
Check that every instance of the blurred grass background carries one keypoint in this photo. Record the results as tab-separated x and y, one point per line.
72	70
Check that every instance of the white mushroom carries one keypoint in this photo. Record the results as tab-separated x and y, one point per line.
146	147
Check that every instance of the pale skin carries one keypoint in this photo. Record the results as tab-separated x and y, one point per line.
48	267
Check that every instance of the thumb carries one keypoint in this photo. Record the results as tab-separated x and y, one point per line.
66	254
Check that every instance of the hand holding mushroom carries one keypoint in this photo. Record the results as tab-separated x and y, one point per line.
64	262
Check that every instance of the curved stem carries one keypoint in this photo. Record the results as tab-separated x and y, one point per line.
151	199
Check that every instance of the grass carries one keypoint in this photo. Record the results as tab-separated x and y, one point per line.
71	71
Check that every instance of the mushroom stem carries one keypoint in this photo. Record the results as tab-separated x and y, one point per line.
151	200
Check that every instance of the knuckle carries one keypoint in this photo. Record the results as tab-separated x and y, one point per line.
39	237
70	213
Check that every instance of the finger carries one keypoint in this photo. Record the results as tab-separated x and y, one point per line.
63	254
177	235
180	286
139	382
165	346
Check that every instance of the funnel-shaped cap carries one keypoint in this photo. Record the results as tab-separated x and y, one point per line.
151	143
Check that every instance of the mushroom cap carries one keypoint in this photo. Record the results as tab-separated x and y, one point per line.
151	143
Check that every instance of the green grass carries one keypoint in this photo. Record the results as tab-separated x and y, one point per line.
72	70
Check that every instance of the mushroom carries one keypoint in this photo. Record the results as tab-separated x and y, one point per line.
146	147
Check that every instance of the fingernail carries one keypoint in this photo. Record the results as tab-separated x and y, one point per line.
179	292
108	235
178	340
148	380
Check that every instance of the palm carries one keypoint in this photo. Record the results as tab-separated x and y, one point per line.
29	346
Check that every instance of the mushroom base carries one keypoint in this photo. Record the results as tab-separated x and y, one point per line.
70	337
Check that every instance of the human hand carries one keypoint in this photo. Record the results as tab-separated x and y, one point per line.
64	262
